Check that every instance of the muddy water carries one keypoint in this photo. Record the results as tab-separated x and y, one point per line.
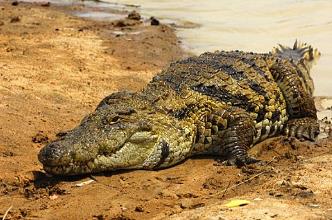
240	24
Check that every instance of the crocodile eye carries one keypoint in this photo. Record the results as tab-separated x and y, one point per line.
114	119
111	119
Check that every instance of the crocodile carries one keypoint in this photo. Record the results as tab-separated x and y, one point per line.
218	103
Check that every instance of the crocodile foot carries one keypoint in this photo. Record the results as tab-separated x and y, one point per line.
240	161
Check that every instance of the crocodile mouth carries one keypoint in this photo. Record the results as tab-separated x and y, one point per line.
65	158
70	169
58	159
62	159
78	168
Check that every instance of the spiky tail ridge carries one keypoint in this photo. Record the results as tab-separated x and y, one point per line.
298	53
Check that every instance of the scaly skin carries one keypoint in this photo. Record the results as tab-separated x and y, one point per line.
219	103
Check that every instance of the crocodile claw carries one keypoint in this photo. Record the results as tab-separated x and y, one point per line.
240	161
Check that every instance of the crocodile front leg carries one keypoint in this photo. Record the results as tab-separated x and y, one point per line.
301	108
238	138
229	133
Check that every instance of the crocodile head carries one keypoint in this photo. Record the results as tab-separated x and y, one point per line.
106	140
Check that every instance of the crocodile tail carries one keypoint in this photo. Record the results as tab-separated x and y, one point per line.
300	52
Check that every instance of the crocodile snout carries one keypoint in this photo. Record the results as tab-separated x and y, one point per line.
53	154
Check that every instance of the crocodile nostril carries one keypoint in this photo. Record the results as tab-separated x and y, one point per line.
50	153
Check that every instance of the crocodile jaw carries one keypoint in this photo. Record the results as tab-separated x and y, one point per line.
142	149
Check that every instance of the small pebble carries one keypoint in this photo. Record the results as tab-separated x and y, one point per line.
134	15
154	21
46	4
139	209
15	19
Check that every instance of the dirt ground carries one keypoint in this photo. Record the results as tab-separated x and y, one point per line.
55	68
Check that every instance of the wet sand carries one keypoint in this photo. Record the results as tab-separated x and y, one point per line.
55	68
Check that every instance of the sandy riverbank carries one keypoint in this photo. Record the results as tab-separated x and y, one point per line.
55	68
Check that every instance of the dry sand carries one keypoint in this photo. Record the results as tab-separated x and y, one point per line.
55	68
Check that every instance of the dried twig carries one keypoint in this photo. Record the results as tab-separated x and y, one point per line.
239	184
247	180
6	213
224	192
97	181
